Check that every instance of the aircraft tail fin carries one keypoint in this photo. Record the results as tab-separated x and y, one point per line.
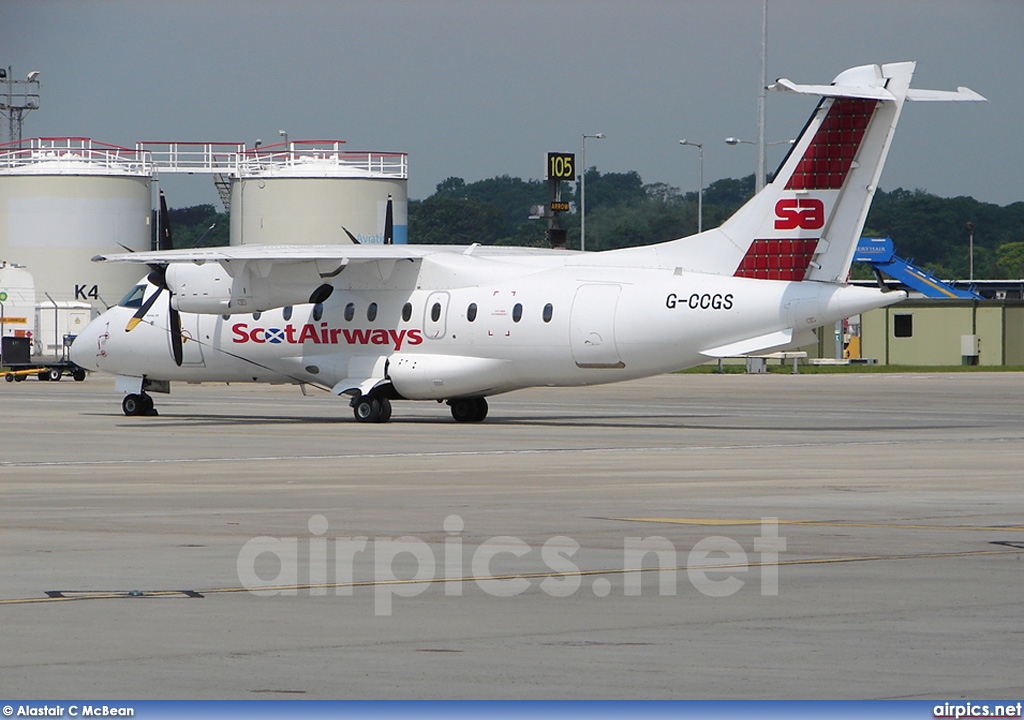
805	223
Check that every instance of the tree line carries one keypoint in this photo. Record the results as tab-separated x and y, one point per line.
624	211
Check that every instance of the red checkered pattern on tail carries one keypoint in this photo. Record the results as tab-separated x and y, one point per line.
827	159
777	259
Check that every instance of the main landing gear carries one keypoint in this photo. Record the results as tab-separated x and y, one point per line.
138	404
377	409
471	409
371	409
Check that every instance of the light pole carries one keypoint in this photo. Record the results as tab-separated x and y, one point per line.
762	148
583	188
22	96
760	178
970	248
700	187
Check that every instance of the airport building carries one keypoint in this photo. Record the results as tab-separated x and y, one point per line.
945	332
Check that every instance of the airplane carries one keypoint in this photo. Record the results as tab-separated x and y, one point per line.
459	324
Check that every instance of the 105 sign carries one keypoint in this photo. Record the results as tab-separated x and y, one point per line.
561	166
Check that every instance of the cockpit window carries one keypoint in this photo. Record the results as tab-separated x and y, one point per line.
134	297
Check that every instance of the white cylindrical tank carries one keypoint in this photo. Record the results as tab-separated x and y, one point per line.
311	192
65	200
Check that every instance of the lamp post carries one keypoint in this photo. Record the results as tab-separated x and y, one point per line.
762	148
700	187
583	188
970	248
760	178
22	96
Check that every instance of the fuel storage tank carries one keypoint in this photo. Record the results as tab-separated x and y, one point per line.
65	200
312	191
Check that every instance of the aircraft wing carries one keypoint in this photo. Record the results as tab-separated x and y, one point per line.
250	278
302	253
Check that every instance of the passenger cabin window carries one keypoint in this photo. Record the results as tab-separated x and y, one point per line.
406	312
548	312
134	297
517	312
371	311
350	312
435	312
287	313
318	312
257	315
471	312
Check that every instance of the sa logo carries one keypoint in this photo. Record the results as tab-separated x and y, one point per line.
803	213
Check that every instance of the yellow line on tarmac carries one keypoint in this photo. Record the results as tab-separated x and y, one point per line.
107	595
821	523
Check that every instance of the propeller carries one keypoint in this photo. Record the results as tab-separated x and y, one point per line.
389	224
158	277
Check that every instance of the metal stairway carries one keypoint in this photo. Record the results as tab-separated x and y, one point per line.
880	254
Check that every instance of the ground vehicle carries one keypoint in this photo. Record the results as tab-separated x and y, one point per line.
36	336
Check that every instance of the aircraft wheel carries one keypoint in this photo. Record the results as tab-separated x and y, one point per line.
468	409
134	405
19	378
43	375
481	409
367	409
9	377
385	410
78	374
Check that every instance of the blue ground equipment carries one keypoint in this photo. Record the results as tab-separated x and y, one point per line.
880	254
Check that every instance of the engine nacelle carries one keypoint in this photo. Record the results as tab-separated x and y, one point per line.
439	377
215	288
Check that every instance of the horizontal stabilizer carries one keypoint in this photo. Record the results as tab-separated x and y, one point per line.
962	94
839	91
869	82
761	342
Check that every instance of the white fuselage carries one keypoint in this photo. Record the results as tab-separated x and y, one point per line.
522	325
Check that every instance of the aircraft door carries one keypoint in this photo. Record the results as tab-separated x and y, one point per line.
435	315
191	346
592	327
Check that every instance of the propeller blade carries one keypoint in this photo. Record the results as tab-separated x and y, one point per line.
175	330
143	309
164	241
389	224
350	236
202	238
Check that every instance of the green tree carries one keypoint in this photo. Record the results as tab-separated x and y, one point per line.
190	227
444	219
1010	257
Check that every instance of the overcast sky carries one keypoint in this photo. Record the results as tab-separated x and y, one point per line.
478	89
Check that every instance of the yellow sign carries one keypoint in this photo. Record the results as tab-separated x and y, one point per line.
11	320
